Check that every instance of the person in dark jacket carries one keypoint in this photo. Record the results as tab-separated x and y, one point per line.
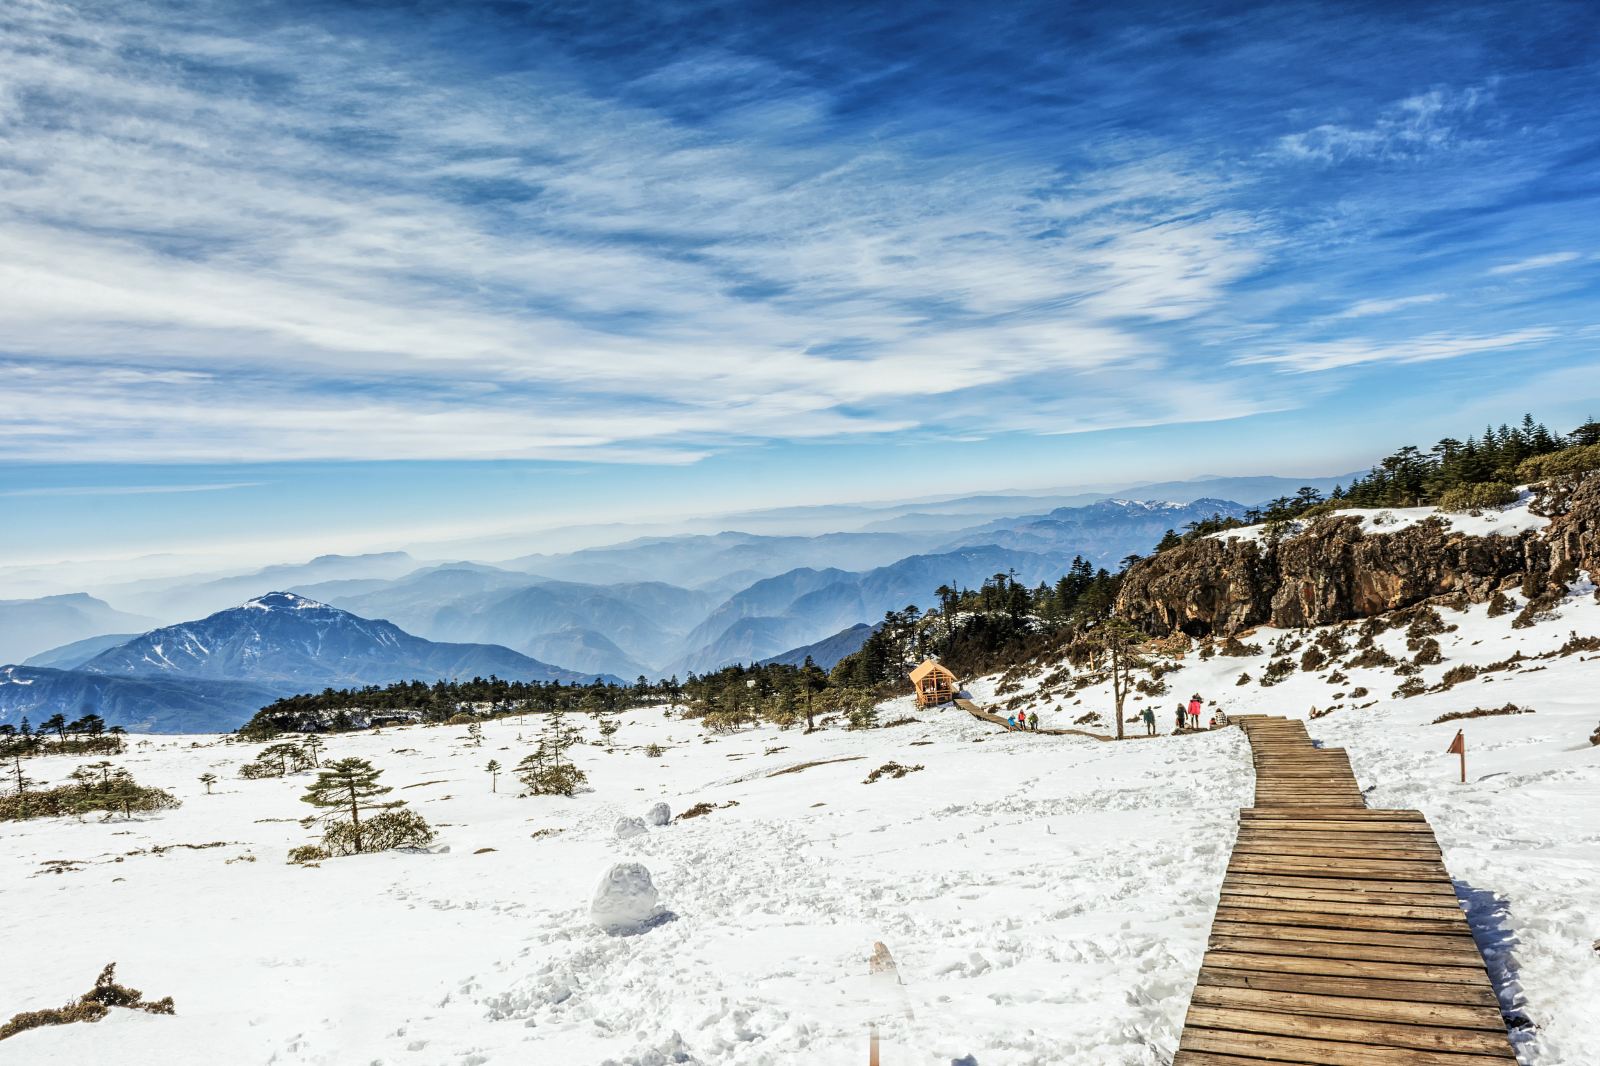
1149	722
1181	712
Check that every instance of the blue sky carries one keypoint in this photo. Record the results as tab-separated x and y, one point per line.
370	271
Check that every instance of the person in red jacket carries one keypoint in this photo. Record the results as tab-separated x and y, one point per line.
1194	711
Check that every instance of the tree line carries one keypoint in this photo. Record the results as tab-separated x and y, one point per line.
1454	475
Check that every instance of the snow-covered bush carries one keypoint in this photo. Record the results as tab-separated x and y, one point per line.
397	828
658	814
628	828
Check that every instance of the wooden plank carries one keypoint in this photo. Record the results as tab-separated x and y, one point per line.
1282	896
1472	963
1335	911
1317	849
1480	998
1273	1048
1353	987
1351	1030
1447	1015
1373	919
1423	894
1345	884
1383	971
1381	841
1361	871
1450	943
1374	814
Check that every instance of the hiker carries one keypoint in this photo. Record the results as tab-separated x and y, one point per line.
1213	724
1194	711
1179	727
1033	722
1149	722
1011	721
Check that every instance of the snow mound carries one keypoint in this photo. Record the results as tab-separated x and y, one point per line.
628	828
625	899
658	814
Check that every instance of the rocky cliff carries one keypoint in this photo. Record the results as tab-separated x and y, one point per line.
1335	570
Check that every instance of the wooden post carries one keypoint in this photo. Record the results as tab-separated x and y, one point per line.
1458	746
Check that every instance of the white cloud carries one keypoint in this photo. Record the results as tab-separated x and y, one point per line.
1332	355
1426	122
1366	308
1538	262
130	490
520	268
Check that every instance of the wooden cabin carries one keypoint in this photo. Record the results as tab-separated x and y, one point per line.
933	683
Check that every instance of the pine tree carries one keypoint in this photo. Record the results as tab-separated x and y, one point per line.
311	747
345	788
1119	640
208	780
547	772
493	769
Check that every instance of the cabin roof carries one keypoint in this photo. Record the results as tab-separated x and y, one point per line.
929	668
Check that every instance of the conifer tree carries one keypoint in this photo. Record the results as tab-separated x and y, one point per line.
208	779
493	770
345	788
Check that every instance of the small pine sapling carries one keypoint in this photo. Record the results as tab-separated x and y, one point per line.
493	769
208	780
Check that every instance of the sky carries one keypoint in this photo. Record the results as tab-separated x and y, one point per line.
367	274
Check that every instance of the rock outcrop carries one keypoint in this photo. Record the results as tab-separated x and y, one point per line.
1334	571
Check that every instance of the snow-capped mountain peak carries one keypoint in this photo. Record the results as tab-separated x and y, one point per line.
283	601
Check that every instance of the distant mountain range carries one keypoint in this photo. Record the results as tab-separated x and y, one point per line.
220	669
654	606
827	652
28	627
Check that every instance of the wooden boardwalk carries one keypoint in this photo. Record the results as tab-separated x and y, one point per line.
1338	940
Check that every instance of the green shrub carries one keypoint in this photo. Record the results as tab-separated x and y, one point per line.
1478	497
307	853
1557	464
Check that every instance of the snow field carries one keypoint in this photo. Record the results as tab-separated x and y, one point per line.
1046	900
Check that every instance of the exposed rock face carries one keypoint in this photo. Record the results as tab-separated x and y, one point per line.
1574	537
1334	571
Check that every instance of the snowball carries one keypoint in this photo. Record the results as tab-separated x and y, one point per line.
624	900
659	814
630	827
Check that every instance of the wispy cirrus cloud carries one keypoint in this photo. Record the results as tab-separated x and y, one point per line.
227	236
1425	122
1334	355
1537	262
130	490
1384	306
526	268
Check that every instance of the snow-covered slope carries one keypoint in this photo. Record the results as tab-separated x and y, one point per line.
1046	898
